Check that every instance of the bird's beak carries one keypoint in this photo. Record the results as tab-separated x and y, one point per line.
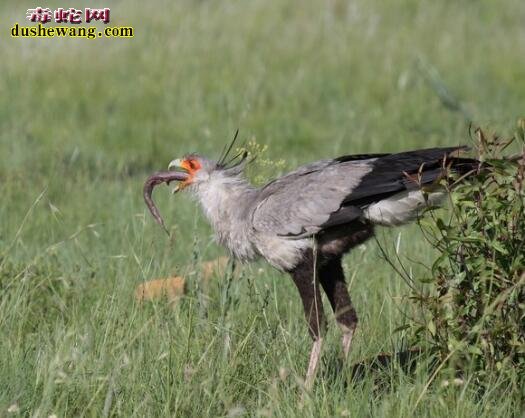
179	165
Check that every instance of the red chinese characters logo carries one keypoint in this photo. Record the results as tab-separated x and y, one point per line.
71	15
39	14
97	14
68	15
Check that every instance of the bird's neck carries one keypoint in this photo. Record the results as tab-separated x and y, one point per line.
226	202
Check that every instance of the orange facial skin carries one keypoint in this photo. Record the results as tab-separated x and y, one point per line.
191	166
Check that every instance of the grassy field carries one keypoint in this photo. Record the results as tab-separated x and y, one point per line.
83	122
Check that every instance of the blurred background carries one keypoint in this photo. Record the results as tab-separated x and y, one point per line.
84	122
309	81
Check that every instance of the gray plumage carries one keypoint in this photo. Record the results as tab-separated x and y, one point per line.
309	218
309	196
279	220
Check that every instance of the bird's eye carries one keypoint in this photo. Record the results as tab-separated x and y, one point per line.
194	164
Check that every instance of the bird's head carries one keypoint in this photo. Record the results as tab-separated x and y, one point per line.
197	169
194	168
193	171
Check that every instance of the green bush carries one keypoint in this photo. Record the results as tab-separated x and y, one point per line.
473	303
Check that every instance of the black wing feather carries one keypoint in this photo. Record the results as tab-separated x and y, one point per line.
389	177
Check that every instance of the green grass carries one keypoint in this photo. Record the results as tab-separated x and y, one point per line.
84	122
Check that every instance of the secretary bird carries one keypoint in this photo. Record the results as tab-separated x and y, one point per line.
305	221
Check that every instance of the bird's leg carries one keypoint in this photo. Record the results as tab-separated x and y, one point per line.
308	287
348	334
315	355
332	279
